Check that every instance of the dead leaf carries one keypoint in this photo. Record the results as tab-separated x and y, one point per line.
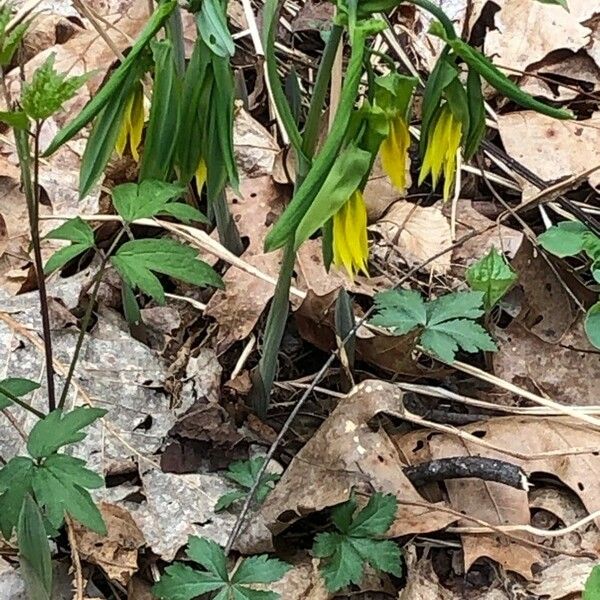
417	234
531	138
254	147
422	583
565	371
563	578
116	552
302	582
346	453
379	193
526	33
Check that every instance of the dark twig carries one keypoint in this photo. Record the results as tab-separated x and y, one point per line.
318	377
459	467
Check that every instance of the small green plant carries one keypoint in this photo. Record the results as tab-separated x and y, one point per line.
183	582
592	585
443	325
357	541
570	238
491	275
244	474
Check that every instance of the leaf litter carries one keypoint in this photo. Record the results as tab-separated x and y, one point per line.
167	397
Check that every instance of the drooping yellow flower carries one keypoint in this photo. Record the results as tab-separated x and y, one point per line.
442	147
394	152
201	175
350	243
132	124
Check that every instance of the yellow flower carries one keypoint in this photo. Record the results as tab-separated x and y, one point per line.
201	175
132	124
442	147
350	243
394	152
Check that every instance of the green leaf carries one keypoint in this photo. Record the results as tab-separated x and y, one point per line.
16	479
476	106
76	231
439	344
16	118
15	386
34	551
184	212
9	43
342	181
61	257
376	517
116	85
592	325
467	334
49	90
592	585
491	275
260	569
562	3
142	201
344	554
180	582
456	305
228	499
400	310
61	485
212	25
163	121
59	429
208	554
138	259
564	239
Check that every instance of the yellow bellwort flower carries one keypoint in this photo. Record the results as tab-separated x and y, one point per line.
394	152
201	175
442	148
132	124
350	243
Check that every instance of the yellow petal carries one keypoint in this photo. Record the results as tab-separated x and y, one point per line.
393	152
124	128
137	122
436	149
341	254
450	160
356	232
201	174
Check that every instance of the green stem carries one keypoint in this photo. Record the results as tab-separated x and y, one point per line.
265	375
31	190
313	120
87	317
21	403
439	14
229	235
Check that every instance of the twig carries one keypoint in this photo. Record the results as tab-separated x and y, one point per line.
75	559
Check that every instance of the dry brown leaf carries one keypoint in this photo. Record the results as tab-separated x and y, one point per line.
116	552
255	148
549	148
501	505
379	192
417	234
302	582
346	453
566	371
526	31
422	582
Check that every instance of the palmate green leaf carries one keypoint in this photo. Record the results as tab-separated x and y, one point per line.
341	182
76	231
228	499
209	554
491	275
564	239
592	585
16	479
16	118
118	80
260	569
60	485
400	310
58	429
34	551
592	325
142	201
10	42
344	554
16	386
181	582
163	122
184	212
137	260
212	25
455	306
49	90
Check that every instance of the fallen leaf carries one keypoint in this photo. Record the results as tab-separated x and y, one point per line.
116	553
254	147
564	578
565	371
530	138
379	193
302	582
417	234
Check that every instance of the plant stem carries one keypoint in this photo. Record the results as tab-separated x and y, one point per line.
85	322
313	120
31	190
264	376
229	235
439	14
21	403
